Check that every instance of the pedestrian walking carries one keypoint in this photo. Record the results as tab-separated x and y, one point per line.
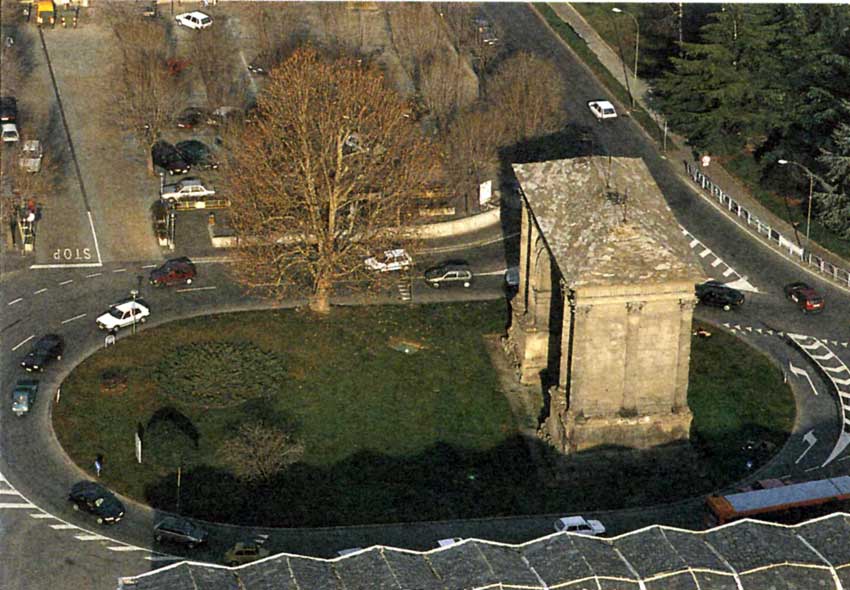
98	464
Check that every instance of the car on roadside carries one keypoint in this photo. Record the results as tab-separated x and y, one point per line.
224	115
8	109
806	298
93	498
124	314
449	273
580	526
185	188
390	260
46	349
197	154
196	20
191	117
602	109
716	294
9	133
175	271
166	156
23	396
179	530
242	553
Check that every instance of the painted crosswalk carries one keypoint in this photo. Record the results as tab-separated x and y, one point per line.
717	266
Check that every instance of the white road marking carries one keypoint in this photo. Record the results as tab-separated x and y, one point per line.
66	282
76	317
14	301
149	266
16	505
41	515
94	235
40	291
844	458
802	373
728	271
9	492
94	274
809	439
160	557
717	262
194	289
77	265
120	270
62	527
126	548
91	537
812	468
21	343
490	273
704	253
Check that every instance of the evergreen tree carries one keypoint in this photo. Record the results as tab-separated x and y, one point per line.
833	207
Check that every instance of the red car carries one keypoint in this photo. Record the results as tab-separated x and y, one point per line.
808	300
174	271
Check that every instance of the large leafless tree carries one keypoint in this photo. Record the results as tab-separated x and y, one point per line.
258	452
323	176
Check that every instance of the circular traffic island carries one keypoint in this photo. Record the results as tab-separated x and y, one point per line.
379	414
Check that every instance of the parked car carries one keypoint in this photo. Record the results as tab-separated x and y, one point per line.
449	273
174	271
9	133
449	542
167	157
45	350
184	189
225	114
93	498
23	396
242	553
717	294
179	530
191	117
197	154
196	20
486	36
602	109
391	260
124	314
806	298
578	525
8	109
257	69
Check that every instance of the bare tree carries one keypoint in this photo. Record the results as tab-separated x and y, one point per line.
529	93
325	174
275	26
417	33
441	86
260	451
215	58
472	145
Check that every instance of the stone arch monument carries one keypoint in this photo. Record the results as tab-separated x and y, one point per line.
605	302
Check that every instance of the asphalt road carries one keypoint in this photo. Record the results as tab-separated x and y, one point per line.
47	545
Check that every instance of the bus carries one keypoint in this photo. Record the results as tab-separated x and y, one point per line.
775	501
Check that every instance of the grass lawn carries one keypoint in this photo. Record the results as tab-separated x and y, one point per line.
388	436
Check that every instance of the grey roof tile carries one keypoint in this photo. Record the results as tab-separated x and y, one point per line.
829	536
751	545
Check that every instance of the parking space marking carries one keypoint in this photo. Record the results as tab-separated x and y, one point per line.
62	527
194	289
95	274
9	492
41	515
40	291
73	265
21	343
94	234
5	505
14	301
149	266
120	270
89	537
126	548
66	282
76	317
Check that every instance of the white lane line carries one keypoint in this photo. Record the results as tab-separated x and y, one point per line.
76	317
66	282
491	273
91	537
41	515
94	235
94	274
22	342
40	291
163	558
126	548
14	301
78	265
9	492
120	270
194	289
149	266
63	527
4	505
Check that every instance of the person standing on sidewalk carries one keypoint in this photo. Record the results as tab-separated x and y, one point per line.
98	464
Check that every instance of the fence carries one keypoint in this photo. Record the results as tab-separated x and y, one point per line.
791	248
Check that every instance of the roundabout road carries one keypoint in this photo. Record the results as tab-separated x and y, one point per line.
47	545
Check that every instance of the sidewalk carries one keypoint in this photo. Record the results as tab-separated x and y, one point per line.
720	176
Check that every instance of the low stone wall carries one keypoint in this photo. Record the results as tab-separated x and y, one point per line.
460	226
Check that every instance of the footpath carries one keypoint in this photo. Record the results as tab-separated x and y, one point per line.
681	153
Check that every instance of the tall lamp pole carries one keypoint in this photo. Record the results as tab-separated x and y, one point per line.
637	37
812	177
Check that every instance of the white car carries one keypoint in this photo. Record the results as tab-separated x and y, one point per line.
194	20
184	189
9	131
392	260
579	526
124	314
449	542
602	109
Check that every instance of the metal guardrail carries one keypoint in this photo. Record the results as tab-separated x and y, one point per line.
788	247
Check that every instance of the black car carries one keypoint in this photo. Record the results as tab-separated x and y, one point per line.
197	154
46	349
8	109
96	499
178	530
717	294
449	273
167	157
192	117
175	271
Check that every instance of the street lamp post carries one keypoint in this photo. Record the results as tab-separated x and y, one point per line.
637	37
812	177
133	294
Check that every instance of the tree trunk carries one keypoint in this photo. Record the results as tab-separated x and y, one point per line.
320	301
